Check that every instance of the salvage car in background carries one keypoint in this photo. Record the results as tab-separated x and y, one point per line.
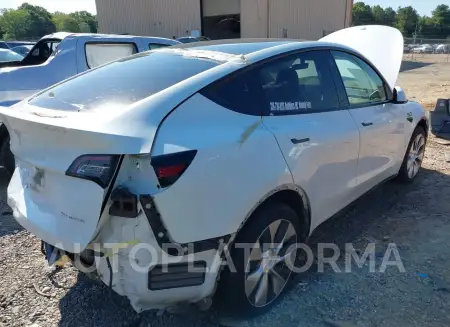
426	48
192	39
3	45
7	55
442	48
23	50
257	143
57	57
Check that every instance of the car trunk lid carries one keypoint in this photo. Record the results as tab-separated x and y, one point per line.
58	208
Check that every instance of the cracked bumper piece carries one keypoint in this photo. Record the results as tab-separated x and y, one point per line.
146	272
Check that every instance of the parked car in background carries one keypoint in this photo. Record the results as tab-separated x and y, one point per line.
426	48
192	39
57	57
13	44
442	48
4	45
144	151
7	55
406	49
22	49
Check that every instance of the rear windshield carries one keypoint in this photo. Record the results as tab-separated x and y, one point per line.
122	82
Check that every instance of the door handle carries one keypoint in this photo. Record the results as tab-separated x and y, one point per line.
366	124
298	141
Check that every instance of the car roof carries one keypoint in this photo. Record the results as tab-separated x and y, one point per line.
236	46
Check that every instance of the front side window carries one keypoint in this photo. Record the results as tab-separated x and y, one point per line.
294	84
98	54
362	83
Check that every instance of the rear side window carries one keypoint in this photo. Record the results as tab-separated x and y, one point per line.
122	82
98	54
298	83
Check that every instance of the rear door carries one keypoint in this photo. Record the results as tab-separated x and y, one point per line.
319	140
380	122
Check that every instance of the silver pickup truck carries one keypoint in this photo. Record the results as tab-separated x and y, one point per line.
57	57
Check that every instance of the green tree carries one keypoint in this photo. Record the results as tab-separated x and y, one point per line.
407	20
362	14
15	24
40	21
390	16
441	15
65	23
441	18
378	15
427	27
84	17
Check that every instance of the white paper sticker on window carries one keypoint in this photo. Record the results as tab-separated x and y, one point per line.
101	53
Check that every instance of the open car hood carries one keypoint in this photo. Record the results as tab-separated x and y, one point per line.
382	45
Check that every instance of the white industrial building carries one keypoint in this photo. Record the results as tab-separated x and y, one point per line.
294	19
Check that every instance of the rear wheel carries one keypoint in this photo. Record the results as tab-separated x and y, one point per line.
415	153
6	156
263	255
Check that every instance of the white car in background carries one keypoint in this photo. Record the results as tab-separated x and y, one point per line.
442	48
23	50
426	48
7	55
181	150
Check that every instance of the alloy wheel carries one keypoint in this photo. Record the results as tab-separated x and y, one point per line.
416	154
268	268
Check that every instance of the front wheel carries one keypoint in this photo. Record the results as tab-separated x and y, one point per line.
415	153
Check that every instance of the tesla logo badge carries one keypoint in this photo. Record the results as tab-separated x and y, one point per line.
409	117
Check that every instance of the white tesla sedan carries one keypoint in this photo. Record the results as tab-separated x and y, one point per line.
145	167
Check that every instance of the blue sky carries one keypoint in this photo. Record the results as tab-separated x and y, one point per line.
54	5
424	7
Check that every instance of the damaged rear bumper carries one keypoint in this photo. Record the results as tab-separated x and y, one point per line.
138	260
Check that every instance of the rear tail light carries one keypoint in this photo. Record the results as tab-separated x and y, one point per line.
170	167
97	168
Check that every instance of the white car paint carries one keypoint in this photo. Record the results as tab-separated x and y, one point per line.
241	161
17	83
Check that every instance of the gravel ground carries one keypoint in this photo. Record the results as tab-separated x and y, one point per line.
414	217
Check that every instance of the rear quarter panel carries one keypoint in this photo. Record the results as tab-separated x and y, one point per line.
237	164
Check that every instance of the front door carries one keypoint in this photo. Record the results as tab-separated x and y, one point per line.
381	125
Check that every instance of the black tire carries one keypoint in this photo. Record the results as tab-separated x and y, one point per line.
231	295
7	157
403	175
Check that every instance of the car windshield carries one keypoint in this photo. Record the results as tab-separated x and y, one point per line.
8	55
122	82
